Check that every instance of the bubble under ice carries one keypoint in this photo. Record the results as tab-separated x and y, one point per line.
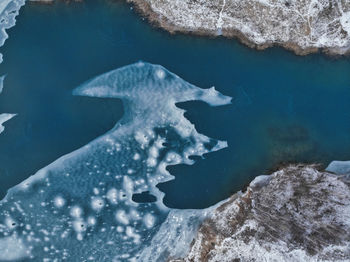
80	207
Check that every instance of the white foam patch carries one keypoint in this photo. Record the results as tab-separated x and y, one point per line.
98	181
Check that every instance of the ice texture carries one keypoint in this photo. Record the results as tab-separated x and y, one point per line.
9	9
80	207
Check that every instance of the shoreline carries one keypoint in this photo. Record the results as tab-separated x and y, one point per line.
295	213
144	9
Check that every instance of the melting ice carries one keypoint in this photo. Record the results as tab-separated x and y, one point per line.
8	11
80	207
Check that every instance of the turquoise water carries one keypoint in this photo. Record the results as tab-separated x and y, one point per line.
285	108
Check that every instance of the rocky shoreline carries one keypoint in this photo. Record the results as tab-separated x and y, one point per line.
296	214
304	27
247	24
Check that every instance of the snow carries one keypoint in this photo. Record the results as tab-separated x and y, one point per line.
301	214
305	24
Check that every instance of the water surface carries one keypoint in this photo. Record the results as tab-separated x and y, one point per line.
285	108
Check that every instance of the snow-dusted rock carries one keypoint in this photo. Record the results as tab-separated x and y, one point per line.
303	26
301	214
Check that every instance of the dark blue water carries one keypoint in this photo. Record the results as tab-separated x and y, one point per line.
285	108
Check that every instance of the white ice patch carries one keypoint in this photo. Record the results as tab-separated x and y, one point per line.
112	196
149	220
4	117
9	9
339	167
260	181
98	181
122	217
12	249
345	22
174	236
97	203
59	201
76	212
160	73
2	78
136	157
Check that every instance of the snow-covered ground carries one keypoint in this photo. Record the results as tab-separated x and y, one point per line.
296	214
303	26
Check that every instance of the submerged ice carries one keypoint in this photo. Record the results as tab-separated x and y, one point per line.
81	207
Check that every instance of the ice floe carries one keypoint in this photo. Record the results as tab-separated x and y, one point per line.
81	206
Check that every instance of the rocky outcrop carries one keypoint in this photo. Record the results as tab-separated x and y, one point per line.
296	214
302	26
